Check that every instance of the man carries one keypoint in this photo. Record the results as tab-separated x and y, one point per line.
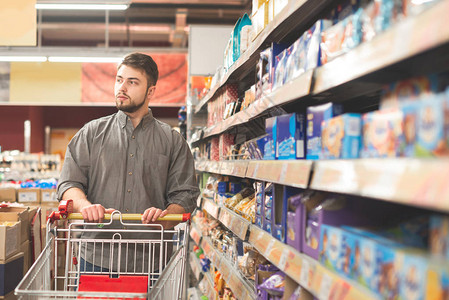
129	161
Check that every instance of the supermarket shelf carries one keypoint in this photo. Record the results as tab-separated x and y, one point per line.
239	285
238	225
196	268
211	207
195	233
234	168
294	173
408	38
306	271
419	182
290	91
283	24
195	265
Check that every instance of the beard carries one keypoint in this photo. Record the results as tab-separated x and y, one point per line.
130	107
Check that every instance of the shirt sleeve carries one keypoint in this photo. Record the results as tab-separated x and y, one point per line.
75	169
182	188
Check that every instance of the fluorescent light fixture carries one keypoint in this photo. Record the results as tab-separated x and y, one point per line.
24	58
81	6
79	59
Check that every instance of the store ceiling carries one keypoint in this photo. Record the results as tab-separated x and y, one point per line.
146	23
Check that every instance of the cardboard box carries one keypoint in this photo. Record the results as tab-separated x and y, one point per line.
27	260
49	196
31	196
11	272
22	214
9	236
8	194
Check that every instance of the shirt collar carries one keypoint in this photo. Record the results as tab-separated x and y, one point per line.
146	120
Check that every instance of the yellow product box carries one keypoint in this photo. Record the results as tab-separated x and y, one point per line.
31	196
48	196
8	195
260	19
23	214
9	236
279	5
27	256
256	5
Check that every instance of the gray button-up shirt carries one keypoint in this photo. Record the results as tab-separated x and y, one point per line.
130	169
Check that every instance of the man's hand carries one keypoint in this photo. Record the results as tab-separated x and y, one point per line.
152	214
94	213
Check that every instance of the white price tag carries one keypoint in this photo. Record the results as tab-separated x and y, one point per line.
283	172
256	169
325	288
305	270
284	259
269	247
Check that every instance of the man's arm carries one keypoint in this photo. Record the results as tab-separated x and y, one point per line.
90	212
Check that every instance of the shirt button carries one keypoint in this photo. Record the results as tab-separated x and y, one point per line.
129	191
133	137
132	155
130	173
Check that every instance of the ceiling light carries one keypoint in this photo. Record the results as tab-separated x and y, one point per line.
79	59
55	6
24	58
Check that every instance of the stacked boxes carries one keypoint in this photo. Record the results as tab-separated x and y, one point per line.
315	116
290	137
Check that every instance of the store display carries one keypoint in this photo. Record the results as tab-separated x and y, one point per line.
341	137
290	136
315	116
370	247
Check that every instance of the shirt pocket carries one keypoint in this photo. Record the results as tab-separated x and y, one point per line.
155	172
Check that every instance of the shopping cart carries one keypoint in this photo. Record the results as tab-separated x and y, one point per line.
152	267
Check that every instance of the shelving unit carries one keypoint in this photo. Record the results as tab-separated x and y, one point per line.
304	270
292	173
395	51
282	25
418	45
239	285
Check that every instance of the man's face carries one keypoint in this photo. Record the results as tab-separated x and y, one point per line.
131	90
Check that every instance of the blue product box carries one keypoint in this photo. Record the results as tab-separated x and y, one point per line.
235	187
259	222
311	41
315	116
290	136
331	247
365	266
348	247
267	226
430	133
341	137
382	132
280	208
413	279
408	138
439	236
280	67
270	129
222	187
390	263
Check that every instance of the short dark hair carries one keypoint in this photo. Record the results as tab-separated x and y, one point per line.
142	62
